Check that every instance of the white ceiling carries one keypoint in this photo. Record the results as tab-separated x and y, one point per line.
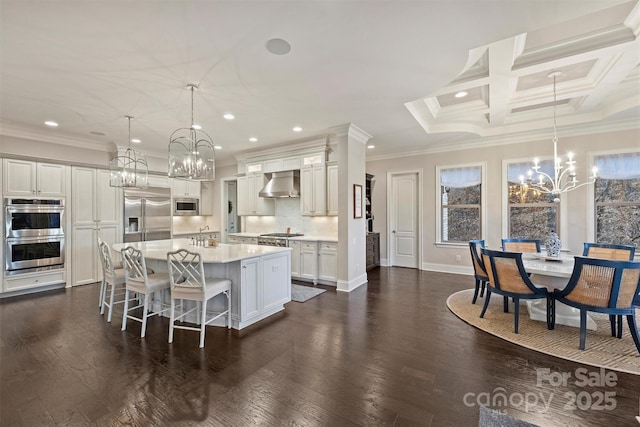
388	67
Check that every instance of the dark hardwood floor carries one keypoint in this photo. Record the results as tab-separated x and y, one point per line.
389	353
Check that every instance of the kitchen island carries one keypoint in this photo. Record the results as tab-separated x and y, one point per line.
260	275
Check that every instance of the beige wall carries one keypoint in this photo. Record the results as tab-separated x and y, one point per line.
577	202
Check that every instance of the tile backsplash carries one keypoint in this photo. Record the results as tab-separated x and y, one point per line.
191	224
287	214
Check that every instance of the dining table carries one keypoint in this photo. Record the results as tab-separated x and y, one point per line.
552	273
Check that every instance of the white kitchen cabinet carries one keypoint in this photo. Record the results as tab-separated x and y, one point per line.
309	261
265	285
281	164
249	280
161	181
313	194
34	179
328	261
295	258
332	189
21	282
185	188
96	210
249	203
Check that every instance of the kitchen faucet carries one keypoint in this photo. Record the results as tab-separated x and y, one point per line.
200	238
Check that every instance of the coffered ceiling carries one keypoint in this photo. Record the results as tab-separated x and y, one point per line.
509	84
392	68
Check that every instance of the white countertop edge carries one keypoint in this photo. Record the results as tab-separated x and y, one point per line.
221	254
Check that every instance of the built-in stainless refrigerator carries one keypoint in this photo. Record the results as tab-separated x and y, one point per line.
147	214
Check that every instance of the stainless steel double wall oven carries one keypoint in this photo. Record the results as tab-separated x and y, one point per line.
34	234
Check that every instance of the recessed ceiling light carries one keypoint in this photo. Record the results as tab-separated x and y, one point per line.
197	127
371	146
51	123
136	140
229	116
278	46
297	129
95	132
218	147
461	94
253	139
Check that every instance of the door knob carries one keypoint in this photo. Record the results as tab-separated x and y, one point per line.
394	231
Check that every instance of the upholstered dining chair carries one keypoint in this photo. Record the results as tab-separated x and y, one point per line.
113	280
615	252
521	245
479	271
139	280
188	282
507	277
609	251
602	286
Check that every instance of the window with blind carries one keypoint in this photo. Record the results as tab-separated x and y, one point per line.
460	203
617	199
531	213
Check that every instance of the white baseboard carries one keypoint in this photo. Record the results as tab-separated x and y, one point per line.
384	262
448	268
348	286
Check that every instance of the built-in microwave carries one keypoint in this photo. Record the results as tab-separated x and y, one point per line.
186	206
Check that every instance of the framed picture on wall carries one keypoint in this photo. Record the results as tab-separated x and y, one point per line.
357	201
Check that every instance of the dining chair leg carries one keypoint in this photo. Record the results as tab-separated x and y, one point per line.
145	312
484	284
203	321
126	310
619	335
486	303
516	315
111	299
505	303
633	326
551	313
475	293
612	320
172	319
103	292
583	328
228	308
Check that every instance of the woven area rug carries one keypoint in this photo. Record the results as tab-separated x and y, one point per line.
602	350
304	293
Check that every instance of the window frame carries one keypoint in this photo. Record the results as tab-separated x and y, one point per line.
483	204
591	202
506	215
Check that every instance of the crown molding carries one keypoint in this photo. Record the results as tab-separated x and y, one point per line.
510	139
14	131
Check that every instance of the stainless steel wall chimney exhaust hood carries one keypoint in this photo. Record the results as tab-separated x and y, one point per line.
282	184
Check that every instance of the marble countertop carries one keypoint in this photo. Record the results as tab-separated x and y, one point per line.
223	253
188	233
312	238
244	234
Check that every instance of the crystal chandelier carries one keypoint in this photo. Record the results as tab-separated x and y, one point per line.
128	169
191	152
564	179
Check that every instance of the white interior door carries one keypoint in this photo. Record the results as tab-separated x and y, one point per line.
404	230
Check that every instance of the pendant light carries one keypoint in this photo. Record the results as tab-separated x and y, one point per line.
129	168
564	179
191	152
